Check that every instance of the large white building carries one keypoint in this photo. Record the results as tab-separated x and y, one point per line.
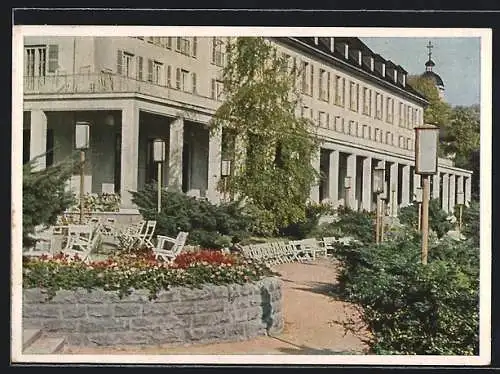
135	89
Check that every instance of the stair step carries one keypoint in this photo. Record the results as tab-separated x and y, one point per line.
46	345
29	336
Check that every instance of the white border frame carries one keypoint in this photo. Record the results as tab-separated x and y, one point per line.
485	204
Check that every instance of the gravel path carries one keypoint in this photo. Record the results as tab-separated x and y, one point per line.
313	321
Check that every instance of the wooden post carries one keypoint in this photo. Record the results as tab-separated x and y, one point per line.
159	187
82	183
425	219
377	221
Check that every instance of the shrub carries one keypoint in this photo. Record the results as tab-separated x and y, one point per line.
98	202
438	218
412	308
44	195
470	220
305	227
209	225
139	271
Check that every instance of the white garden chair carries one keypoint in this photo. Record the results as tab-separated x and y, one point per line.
330	243
145	235
82	240
177	244
127	237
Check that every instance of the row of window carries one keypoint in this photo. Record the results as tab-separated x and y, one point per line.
354	128
156	72
189	46
328	82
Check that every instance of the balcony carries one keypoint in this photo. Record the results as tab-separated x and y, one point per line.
107	83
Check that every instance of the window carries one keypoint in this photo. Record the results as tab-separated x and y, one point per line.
37	62
125	64
140	68
353	96
378	105
169	76
195	46
183	45
305	78
339	90
155	72
401	141
323	119
339	124
367	101
407	116
388	137
377	134
194	83
218	55
182	80
409	144
53	58
365	132
353	128
390	110
324	85
401	114
217	89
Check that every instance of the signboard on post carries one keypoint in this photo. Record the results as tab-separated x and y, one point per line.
426	145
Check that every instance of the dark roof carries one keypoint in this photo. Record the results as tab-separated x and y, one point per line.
435	77
430	63
356	44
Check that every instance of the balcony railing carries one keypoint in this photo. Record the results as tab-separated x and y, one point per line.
109	83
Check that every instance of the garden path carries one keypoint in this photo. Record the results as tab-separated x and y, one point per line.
313	321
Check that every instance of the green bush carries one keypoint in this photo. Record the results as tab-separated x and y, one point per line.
209	225
412	308
470	220
98	202
304	228
44	195
359	225
438	221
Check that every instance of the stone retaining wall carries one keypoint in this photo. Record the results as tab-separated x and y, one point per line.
180	315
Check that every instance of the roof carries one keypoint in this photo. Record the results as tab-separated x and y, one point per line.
435	77
355	44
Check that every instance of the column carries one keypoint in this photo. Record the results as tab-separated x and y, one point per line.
416	184
315	162
129	153
333	183
451	197
446	188
175	153
367	193
468	189
393	190
405	185
214	166
435	185
460	186
351	172
38	138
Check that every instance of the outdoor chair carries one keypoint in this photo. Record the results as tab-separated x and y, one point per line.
45	241
82	240
330	243
127	238
177	244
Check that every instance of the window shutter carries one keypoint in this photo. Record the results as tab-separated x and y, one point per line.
178	47
311	89
320	84
139	68
119	57
178	78
169	42
328	87
169	76
150	70
214	44
53	57
194	83
213	89
195	45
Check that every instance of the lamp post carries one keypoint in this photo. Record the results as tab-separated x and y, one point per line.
418	198
347	187
159	158
82	139
426	164
225	172
378	189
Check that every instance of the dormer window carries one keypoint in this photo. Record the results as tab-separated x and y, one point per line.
332	45
395	77
360	58
316	40
372	63
404	80
346	51
383	69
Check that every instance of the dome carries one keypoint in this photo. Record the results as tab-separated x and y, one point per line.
435	77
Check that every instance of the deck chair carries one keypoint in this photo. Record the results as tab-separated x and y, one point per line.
329	243
127	238
169	254
82	240
145	236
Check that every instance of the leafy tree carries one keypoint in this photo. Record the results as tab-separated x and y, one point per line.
44	194
273	150
438	111
461	137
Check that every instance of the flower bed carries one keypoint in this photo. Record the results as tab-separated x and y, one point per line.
135	299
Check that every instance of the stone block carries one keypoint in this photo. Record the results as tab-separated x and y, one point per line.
239	315
209	306
77	340
96	310
61	325
96	296
206	333
41	311
94	325
156	309
65	297
73	311
127	310
189	294
137	296
34	296
220	292
168	296
181	308
255	312
210	319
235	331
167	336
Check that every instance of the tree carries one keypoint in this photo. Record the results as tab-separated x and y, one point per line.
44	194
438	111
273	147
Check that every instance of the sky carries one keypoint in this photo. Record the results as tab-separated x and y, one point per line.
457	62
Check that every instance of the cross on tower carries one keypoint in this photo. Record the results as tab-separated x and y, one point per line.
429	47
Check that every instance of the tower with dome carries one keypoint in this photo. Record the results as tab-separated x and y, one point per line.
429	73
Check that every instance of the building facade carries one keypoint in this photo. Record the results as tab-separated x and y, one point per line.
133	90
